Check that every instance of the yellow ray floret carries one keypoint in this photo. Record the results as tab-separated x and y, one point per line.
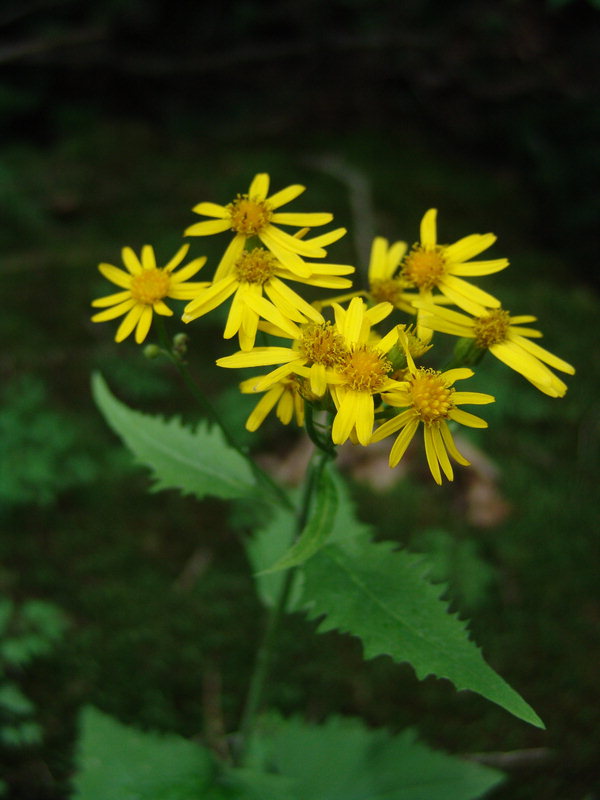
257	273
144	288
508	338
255	213
430	399
430	266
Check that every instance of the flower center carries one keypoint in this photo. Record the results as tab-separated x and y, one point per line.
431	398
322	345
365	370
389	290
491	328
248	216
150	286
255	266
424	268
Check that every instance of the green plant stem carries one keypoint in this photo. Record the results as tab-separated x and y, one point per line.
210	411
264	656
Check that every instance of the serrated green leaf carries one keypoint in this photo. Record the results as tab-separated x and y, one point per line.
382	596
318	528
197	462
343	760
116	761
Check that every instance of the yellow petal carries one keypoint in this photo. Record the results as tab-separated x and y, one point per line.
143	325
469	246
211	210
431	454
110	299
259	188
450	446
115	275
458	415
208	227
177	258
299	220
129	323
285	196
441	453
131	261
429	229
404	438
115	311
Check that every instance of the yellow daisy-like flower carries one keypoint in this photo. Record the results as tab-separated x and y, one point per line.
430	266
363	372
317	346
256	214
430	398
257	271
506	338
284	396
145	287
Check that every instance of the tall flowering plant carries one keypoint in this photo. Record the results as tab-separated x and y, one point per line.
357	368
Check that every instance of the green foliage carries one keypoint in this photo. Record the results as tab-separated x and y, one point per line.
318	528
197	462
343	760
120	762
40	454
26	632
383	596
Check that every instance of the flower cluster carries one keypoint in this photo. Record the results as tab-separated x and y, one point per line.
328	355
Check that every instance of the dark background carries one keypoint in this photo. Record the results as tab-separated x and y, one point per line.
117	117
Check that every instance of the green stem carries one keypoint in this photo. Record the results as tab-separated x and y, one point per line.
264	655
210	411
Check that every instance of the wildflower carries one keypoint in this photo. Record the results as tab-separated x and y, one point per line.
145	287
284	396
256	214
257	271
430	398
506	338
362	373
430	266
317	345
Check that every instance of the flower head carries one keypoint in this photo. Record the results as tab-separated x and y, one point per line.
285	396
430	399
318	346
430	266
507	339
256	214
362	373
254	274
145	287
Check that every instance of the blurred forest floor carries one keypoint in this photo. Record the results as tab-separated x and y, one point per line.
160	608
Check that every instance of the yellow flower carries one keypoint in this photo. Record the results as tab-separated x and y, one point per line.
504	336
256	214
430	398
362	373
430	266
257	271
145	286
318	346
284	395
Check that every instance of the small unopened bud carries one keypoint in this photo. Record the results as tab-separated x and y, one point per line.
180	343
152	351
